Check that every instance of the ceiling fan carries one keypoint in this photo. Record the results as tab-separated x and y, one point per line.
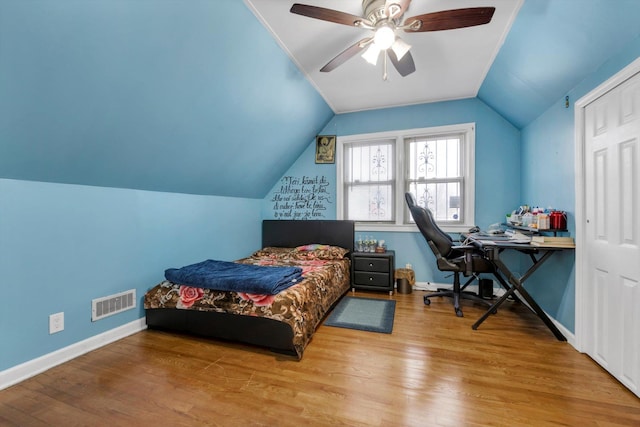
383	18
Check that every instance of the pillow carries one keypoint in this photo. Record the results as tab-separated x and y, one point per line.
321	252
312	247
273	253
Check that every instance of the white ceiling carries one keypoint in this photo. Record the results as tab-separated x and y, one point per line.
450	64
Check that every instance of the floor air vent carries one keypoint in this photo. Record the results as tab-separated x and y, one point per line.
113	304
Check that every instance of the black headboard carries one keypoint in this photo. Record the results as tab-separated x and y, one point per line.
289	234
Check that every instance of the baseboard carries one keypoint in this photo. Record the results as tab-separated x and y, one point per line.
498	292
34	367
570	336
431	286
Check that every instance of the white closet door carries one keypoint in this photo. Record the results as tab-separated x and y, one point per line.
612	231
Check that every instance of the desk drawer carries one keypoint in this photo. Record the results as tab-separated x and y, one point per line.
372	264
367	278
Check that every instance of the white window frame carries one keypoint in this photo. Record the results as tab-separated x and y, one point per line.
468	129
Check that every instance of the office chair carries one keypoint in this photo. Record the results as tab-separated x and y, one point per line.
449	257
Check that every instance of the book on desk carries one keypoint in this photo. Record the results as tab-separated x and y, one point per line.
558	242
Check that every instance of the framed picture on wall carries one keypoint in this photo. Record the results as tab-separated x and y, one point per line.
325	149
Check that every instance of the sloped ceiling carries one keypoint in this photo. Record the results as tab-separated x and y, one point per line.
552	46
150	94
198	97
449	64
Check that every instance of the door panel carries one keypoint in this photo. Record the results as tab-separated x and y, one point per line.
612	230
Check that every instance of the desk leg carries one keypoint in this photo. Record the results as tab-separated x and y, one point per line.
518	286
494	307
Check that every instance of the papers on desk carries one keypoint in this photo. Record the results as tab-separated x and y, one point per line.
517	237
508	237
524	240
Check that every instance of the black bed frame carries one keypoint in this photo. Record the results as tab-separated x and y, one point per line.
263	332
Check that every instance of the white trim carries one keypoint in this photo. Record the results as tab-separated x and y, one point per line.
36	366
583	316
308	77
407	228
399	136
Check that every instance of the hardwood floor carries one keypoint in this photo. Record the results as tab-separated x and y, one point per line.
433	370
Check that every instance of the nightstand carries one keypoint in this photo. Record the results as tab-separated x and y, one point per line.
373	271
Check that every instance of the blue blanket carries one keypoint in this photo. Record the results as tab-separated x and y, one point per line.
234	277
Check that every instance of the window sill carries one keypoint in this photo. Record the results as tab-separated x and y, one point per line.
407	228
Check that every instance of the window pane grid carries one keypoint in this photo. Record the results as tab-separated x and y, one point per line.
442	198
370	163
370	202
369	185
435	175
438	157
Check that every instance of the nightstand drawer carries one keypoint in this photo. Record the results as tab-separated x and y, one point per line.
368	278
373	271
372	264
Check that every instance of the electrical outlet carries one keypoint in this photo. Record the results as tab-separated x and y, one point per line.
56	322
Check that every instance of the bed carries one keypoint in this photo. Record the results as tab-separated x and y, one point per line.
284	322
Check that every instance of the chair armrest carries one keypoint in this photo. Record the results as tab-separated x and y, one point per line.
442	262
468	257
466	248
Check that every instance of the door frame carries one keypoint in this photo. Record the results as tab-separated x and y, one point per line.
584	338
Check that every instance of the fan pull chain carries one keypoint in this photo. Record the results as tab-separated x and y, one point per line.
384	74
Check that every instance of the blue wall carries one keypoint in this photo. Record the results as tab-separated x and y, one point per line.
138	95
497	168
63	245
163	95
548	177
552	46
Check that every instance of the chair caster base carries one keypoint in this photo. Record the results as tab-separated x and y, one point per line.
459	313
427	301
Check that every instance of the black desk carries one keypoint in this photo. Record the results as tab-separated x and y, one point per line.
538	254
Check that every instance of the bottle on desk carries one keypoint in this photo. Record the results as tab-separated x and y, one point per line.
543	221
558	220
527	219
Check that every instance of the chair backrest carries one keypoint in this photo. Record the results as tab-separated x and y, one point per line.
439	240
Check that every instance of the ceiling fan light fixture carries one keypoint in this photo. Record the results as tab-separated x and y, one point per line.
383	17
400	48
384	37
371	54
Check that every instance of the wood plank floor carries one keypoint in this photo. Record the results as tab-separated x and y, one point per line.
433	370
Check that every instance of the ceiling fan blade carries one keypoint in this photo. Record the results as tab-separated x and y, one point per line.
402	6
450	19
328	15
346	54
405	65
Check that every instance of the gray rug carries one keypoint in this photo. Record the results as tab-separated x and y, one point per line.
365	314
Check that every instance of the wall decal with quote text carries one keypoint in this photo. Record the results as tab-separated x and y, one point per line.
304	197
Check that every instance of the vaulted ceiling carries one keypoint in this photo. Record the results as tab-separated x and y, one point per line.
450	64
529	55
200	97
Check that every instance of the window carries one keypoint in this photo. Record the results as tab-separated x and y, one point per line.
369	180
435	164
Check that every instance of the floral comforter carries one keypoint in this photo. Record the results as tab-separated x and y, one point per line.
302	306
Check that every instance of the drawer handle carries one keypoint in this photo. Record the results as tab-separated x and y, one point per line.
370	264
370	279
